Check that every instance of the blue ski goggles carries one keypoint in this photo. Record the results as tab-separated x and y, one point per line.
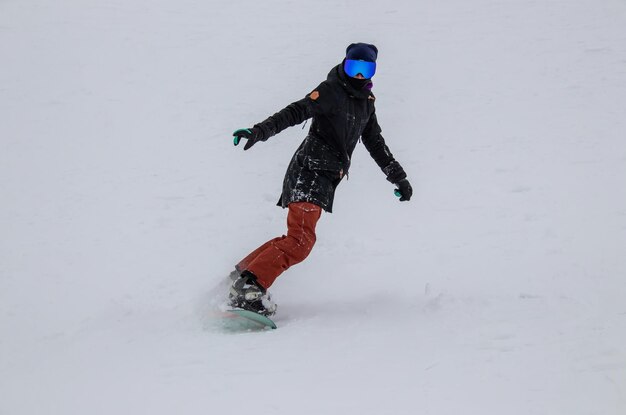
365	68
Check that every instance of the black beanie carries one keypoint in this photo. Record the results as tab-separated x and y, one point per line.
362	52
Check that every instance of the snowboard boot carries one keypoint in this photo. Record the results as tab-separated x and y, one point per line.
248	294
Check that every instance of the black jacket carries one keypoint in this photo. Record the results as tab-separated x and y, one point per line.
341	115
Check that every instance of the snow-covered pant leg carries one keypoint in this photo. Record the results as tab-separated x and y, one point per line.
272	258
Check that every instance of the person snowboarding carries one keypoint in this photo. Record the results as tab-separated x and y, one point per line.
342	109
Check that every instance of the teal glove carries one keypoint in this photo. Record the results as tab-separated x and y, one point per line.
253	135
404	191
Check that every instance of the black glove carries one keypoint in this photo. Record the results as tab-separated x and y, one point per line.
404	190
253	135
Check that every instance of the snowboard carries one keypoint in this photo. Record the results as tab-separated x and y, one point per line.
247	320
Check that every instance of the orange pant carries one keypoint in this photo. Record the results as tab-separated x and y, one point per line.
275	256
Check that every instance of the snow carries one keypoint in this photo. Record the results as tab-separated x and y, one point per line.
499	288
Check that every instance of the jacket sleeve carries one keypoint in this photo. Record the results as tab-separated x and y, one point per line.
375	144
319	101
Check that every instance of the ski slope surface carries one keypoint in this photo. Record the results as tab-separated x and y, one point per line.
500	288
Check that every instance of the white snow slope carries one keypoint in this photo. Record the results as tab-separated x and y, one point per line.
500	288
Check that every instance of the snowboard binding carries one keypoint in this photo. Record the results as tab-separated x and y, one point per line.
246	293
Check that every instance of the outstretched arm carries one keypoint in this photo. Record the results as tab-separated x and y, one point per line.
375	144
318	101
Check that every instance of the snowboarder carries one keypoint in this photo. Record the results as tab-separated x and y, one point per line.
342	108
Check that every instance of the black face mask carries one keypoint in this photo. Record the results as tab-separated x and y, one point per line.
358	84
